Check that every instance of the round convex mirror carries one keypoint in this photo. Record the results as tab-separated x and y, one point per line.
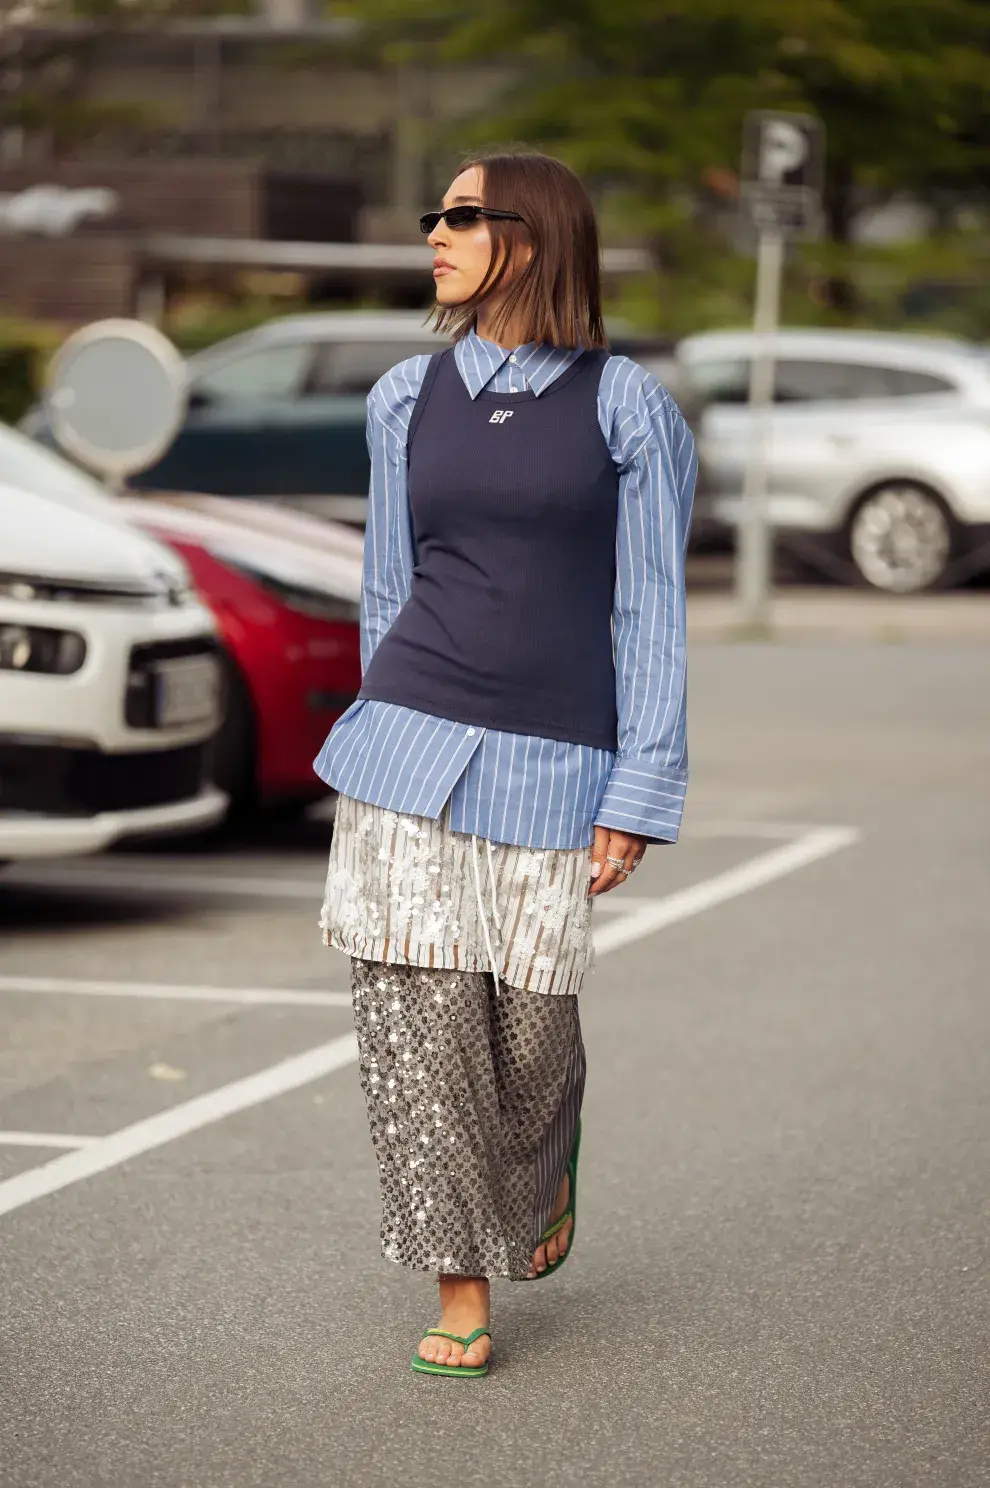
116	396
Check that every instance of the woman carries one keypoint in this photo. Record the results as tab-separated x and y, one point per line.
523	701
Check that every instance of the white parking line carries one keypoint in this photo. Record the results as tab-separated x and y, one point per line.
155	1131
819	842
43	1139
33	986
141	879
251	996
301	1069
775	831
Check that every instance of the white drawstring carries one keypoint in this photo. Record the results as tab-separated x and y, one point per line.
481	904
491	879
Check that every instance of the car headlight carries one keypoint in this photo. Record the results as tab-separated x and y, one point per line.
308	601
31	648
13	587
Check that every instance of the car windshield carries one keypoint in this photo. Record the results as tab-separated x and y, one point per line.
30	467
255	376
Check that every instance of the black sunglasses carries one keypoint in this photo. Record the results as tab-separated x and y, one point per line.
457	218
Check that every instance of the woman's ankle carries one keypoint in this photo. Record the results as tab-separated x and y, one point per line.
465	1291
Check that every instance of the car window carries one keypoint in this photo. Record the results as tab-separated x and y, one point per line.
257	376
819	381
353	367
797	381
721	381
915	384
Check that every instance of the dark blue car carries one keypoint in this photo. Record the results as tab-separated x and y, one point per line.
280	411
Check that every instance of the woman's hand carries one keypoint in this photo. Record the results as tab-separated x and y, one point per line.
624	846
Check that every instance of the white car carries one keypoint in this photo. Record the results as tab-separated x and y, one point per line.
109	682
879	448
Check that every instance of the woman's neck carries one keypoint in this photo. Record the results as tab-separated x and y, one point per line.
508	337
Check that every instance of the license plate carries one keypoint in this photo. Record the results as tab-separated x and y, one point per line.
187	690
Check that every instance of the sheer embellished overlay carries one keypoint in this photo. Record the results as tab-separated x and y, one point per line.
406	890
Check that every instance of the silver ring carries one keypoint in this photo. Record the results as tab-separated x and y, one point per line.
616	862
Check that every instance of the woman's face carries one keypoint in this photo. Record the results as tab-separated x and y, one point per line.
463	257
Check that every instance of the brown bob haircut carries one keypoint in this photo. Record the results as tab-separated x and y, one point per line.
557	296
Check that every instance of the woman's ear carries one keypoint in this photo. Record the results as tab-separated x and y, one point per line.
520	255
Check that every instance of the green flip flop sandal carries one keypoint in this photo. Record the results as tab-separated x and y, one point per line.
466	1371
569	1214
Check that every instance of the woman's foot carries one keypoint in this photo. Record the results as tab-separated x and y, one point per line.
556	1247
465	1304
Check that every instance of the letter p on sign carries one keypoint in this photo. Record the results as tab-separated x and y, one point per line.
783	149
500	415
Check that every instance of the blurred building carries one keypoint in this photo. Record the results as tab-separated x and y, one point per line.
270	129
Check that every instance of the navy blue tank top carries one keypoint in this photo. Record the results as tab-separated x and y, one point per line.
513	501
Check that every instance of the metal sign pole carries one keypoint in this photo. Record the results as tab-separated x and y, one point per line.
754	549
781	185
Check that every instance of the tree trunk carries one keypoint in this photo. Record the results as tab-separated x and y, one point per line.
838	291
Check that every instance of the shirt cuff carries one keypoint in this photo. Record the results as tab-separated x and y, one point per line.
643	799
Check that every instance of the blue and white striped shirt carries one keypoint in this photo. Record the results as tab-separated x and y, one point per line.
514	788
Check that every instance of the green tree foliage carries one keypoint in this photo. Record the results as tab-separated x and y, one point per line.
647	97
653	91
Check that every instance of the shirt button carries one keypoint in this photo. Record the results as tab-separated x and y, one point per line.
471	733
513	358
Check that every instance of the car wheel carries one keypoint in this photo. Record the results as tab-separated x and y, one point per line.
234	747
901	538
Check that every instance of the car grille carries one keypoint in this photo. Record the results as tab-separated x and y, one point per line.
164	590
139	701
75	780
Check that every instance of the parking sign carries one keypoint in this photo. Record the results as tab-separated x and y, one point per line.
781	187
782	172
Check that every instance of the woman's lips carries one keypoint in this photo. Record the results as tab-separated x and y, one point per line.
441	267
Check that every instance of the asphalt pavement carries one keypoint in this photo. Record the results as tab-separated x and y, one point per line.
780	1271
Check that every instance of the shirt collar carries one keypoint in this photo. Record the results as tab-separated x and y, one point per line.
478	361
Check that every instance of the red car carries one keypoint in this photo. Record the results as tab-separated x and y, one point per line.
285	590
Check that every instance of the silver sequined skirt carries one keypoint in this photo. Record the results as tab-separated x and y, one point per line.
408	891
473	1101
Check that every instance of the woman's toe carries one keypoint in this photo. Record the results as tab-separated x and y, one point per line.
540	1259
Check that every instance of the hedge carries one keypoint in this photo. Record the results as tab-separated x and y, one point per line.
24	353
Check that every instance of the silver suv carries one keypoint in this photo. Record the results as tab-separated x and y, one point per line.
879	448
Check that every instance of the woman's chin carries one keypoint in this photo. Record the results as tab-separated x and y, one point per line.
449	295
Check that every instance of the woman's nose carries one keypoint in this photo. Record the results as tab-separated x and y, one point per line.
438	237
